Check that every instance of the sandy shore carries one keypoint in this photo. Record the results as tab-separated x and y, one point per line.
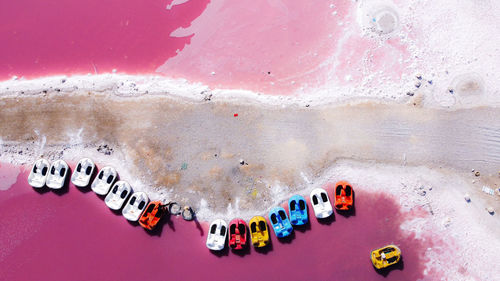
197	152
228	155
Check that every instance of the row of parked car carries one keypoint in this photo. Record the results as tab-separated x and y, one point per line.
134	206
281	223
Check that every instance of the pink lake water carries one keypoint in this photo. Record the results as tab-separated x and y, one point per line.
72	235
42	38
269	46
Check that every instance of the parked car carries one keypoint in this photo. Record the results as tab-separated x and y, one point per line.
216	239
385	256
38	174
118	195
259	231
135	206
344	196
152	215
57	175
237	234
297	207
321	203
104	180
279	220
83	172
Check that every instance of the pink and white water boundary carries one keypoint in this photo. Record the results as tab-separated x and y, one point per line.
307	48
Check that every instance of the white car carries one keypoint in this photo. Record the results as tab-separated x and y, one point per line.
321	203
83	172
104	180
135	206
118	195
57	174
216	239
38	174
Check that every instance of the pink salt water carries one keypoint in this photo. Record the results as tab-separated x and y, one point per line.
72	235
41	38
274	47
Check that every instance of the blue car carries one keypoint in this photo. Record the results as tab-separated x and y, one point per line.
298	210
279	220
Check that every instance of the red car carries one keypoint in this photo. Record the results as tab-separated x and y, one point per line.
237	234
344	196
152	215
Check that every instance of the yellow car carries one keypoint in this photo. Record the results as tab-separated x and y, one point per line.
386	256
259	231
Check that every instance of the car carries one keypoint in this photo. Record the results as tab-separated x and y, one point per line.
135	206
321	203
83	172
57	175
297	207
216	239
38	174
259	231
344	196
385	256
104	180
118	195
152	215
237	234
279	220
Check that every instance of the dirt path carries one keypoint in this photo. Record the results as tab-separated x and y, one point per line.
200	149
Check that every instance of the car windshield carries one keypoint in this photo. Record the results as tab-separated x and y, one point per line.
387	250
241	228
324	197
315	200
338	189
124	194
150	208
282	215
348	190
262	225
141	205
302	204
132	200
253	227
392	259
273	219
159	213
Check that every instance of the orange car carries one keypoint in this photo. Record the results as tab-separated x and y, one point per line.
152	215
344	196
